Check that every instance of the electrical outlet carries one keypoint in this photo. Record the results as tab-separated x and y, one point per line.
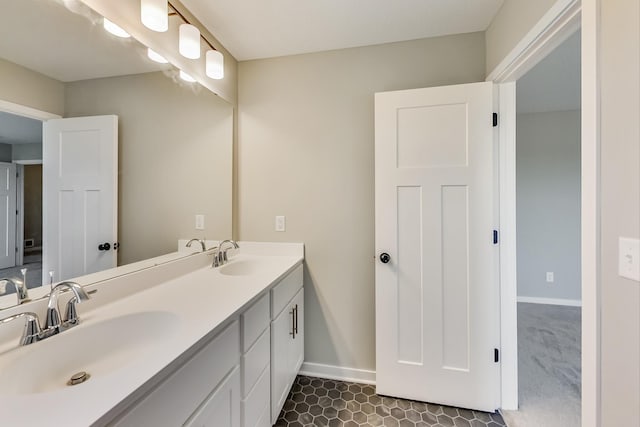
629	258
280	223
549	276
199	222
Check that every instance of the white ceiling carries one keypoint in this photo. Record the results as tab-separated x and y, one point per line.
252	29
46	37
554	83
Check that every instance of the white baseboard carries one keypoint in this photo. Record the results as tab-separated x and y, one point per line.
552	301
342	373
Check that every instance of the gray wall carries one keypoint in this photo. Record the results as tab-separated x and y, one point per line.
5	153
175	158
619	209
548	204
512	22
27	151
25	87
305	150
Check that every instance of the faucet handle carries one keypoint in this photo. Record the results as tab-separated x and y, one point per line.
52	321
32	331
71	314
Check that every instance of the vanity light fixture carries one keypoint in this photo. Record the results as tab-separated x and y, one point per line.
156	57
189	41
114	29
187	77
153	14
215	64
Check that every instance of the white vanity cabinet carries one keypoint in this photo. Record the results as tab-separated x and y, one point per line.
242	376
202	392
287	337
255	364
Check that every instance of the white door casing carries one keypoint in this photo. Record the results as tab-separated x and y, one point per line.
437	299
7	215
80	165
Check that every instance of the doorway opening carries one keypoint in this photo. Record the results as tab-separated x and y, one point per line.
21	149
548	212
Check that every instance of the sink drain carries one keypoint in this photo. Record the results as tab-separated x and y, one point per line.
78	378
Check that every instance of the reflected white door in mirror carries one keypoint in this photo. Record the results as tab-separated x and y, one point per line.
80	196
7	218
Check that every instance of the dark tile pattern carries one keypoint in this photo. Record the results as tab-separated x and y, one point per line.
320	402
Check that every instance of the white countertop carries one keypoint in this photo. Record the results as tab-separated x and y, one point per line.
196	304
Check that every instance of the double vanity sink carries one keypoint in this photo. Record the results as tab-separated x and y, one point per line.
139	329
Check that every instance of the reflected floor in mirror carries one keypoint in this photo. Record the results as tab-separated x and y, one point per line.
32	261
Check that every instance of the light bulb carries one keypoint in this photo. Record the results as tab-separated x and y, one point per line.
187	77
156	57
189	41
114	29
215	64
153	14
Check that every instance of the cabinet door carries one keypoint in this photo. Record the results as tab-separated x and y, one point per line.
222	408
287	351
281	328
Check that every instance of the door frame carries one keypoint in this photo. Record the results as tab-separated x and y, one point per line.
562	20
32	113
20	207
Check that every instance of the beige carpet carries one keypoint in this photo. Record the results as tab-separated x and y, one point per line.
548	367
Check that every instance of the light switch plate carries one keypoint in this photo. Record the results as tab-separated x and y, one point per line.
199	222
629	258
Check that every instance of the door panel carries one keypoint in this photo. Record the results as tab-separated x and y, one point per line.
7	215
437	299
80	160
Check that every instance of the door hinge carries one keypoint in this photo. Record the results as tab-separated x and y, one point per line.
496	355
17	212
16	249
495	119
495	237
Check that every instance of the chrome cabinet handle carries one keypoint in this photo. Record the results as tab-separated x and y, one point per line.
294	321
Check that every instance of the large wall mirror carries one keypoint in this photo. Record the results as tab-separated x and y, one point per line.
175	139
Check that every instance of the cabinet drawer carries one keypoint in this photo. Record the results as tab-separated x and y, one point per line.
282	293
257	403
254	362
254	322
176	398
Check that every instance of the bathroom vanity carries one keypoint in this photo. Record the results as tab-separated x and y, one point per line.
179	343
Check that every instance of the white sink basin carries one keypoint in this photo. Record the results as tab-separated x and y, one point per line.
100	349
247	267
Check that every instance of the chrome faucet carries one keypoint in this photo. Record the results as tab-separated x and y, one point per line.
52	324
21	289
220	255
32	331
201	241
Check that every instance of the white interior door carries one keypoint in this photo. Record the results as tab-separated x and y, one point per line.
437	296
80	165
7	215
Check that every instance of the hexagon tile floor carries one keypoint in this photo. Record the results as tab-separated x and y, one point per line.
320	402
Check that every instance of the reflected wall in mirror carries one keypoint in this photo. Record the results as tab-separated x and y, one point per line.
174	139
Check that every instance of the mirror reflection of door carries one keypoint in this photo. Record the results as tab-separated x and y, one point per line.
20	200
